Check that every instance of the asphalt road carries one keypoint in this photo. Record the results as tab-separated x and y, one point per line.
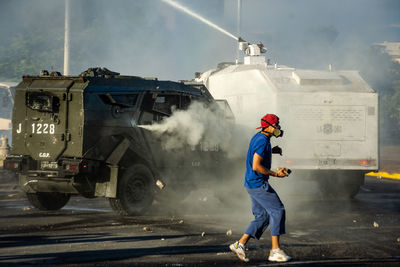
363	231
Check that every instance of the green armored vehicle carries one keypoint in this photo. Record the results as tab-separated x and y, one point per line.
82	135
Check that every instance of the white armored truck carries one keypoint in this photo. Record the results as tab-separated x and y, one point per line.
330	118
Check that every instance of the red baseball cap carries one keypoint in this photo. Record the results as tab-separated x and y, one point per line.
269	118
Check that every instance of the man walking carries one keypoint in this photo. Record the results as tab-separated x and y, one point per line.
267	208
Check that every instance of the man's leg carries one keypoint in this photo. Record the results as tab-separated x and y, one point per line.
275	242
270	201
255	228
244	239
261	218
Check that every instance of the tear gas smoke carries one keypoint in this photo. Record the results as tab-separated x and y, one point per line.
209	191
182	128
197	125
197	16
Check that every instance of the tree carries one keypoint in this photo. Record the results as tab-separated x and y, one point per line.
383	74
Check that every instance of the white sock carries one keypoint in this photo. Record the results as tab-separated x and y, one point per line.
275	250
241	245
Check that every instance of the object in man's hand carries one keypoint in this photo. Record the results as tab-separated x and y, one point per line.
287	171
284	170
277	150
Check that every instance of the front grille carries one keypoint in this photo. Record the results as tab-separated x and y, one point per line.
317	113
348	114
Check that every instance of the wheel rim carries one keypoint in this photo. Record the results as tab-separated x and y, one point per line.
136	190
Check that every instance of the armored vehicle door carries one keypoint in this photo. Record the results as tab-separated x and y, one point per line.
46	123
155	107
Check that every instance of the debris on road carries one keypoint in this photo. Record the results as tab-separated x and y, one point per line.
223	253
354	221
26	208
229	232
203	234
160	184
12	195
181	222
376	225
365	189
204	199
147	229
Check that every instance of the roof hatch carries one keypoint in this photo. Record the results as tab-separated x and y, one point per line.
313	77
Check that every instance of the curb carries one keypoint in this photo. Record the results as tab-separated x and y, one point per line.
395	176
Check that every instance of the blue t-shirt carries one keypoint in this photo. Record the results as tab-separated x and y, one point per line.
261	145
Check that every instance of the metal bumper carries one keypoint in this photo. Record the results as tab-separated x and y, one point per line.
32	184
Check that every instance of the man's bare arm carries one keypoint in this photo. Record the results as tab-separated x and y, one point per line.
261	169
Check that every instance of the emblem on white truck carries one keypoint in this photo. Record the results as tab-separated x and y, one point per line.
44	155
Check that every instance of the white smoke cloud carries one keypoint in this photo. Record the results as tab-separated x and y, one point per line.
199	123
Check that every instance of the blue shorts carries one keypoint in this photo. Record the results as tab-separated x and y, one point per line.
267	210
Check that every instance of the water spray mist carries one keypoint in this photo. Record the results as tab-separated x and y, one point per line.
197	16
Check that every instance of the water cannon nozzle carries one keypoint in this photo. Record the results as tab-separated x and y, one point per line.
242	44
263	48
252	49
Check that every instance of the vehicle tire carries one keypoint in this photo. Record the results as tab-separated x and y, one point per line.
88	194
48	200
135	191
353	183
341	184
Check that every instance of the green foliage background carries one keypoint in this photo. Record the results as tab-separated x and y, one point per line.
29	53
383	75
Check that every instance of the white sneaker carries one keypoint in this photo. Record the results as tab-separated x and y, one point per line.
238	249
278	255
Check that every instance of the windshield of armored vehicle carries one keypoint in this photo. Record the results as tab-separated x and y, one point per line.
125	100
42	102
164	104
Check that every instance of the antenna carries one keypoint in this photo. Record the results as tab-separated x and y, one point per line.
238	16
66	38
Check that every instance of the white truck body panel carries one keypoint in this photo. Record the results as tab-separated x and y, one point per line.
330	118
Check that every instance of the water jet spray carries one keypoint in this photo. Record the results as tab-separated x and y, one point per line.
197	16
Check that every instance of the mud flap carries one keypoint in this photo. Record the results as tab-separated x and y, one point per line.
108	188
